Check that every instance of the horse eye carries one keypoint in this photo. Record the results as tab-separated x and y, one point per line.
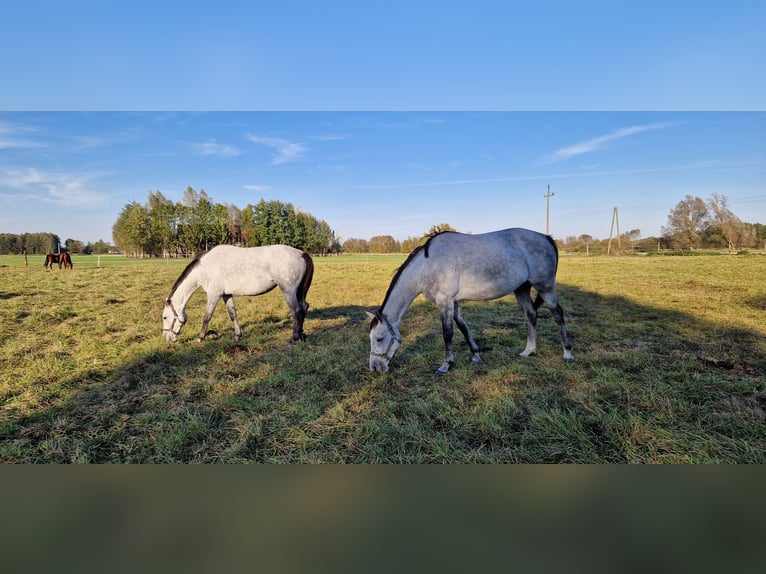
379	339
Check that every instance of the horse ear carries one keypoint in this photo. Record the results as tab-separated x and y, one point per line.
369	315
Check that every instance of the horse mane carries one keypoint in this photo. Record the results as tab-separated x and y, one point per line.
194	262
414	253
427	244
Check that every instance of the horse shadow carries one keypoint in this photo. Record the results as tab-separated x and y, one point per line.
6	296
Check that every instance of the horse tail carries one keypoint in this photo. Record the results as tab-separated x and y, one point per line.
555	251
308	276
537	303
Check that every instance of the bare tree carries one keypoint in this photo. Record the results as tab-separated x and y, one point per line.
732	229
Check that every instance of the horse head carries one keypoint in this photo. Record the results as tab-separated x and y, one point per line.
172	321
385	339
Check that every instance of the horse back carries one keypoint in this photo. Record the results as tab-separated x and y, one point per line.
490	265
251	270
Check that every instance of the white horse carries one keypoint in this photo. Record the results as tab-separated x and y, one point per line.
453	267
225	271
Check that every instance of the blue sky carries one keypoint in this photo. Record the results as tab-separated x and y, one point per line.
383	118
373	173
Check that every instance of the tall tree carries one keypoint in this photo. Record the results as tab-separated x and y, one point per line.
131	231
686	222
164	223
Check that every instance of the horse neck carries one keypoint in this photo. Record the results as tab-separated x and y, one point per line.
180	297
403	292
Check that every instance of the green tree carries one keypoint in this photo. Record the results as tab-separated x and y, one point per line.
74	246
356	245
219	225
132	230
411	243
383	244
163	220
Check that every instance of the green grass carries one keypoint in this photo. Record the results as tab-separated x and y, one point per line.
670	356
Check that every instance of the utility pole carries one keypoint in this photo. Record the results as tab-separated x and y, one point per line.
547	197
615	219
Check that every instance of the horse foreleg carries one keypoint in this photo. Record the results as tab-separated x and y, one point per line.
463	326
558	316
524	299
229	301
551	300
212	301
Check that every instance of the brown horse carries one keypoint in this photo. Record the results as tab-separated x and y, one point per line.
60	258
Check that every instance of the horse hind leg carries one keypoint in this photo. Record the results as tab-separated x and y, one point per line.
298	310
524	299
229	301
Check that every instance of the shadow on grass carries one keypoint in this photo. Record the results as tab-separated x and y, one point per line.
647	385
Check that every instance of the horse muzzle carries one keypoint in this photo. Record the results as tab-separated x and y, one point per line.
378	364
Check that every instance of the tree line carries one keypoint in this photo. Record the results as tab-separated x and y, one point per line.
42	243
161	227
387	244
196	223
692	224
695	223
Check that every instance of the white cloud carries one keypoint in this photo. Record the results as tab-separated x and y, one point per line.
257	188
64	189
330	137
214	148
10	136
285	150
593	144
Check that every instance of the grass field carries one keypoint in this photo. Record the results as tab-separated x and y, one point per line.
670	367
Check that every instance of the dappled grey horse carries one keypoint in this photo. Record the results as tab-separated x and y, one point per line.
453	267
225	271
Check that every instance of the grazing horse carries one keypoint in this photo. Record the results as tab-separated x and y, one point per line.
60	258
453	267
66	260
226	270
50	259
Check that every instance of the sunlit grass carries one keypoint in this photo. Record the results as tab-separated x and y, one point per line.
670	360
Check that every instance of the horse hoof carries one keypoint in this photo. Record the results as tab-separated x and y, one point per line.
477	361
443	370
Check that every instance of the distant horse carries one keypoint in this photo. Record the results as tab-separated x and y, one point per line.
225	271
66	260
60	258
50	259
453	267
